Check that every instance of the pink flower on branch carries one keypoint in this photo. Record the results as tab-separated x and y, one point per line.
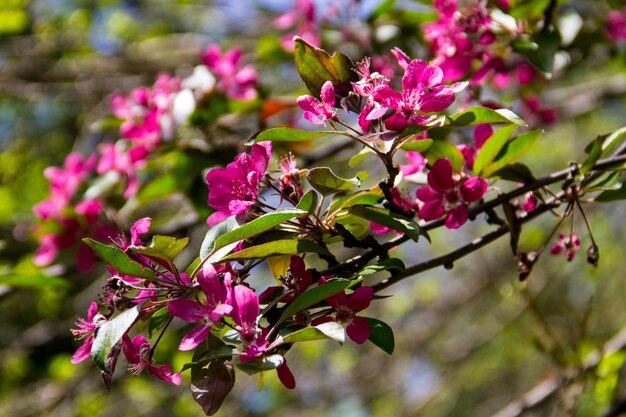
316	111
237	82
139	357
450	194
567	244
212	309
422	93
85	330
234	189
346	307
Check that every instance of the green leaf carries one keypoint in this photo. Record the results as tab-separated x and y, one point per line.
304	335
594	150
421	145
611	182
359	157
391	263
441	149
309	202
381	335
266	364
110	334
516	172
612	140
16	280
275	248
512	151
479	115
333	330
313	296
208	244
157	320
492	147
326	182
284	134
386	218
366	198
612	195
162	249
540	50
119	260
259	225
316	67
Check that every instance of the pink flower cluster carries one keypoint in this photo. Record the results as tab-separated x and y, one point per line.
234	189
449	193
567	244
423	93
616	25
236	81
301	20
65	218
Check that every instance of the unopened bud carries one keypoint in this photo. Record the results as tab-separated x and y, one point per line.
593	254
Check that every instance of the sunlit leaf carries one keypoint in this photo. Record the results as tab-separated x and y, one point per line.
110	334
119	260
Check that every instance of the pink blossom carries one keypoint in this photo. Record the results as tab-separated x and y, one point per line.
422	92
449	194
237	82
216	306
316	111
482	132
245	312
146	113
302	20
139	357
124	159
567	244
85	330
346	307
616	25
234	189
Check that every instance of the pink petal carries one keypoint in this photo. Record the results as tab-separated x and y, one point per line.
285	376
83	352
431	210
308	104
328	93
245	306
360	299
165	373
440	176
457	217
190	311
482	132
473	189
359	330
195	337
139	229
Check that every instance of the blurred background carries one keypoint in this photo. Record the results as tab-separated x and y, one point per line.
470	341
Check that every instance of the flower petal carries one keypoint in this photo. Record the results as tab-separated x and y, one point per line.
195	337
359	330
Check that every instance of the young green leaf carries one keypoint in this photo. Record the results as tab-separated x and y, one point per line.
492	147
540	50
421	145
162	249
381	335
309	202
314	296
441	149
326	182
316	67
479	115
259	225
119	260
284	134
333	330
208	244
275	248
366	198
512	151
110	334
386	218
